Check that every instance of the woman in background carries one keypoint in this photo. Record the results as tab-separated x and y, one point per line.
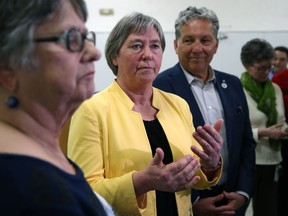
267	118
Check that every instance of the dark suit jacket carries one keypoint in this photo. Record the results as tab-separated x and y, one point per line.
240	142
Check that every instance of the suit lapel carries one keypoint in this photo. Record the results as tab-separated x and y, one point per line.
222	86
182	88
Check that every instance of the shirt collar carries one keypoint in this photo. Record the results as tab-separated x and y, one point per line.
190	78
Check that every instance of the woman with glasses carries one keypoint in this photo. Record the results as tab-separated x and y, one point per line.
134	142
267	118
46	72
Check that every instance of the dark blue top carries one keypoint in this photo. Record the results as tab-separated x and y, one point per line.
30	186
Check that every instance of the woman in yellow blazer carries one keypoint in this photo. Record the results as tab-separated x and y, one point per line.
115	134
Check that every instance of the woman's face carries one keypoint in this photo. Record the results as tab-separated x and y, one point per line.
139	58
260	70
63	77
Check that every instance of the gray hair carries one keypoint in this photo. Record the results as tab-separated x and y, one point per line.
134	23
193	13
19	20
256	50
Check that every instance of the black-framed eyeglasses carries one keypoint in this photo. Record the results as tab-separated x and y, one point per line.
74	39
262	68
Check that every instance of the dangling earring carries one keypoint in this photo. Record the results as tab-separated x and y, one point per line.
12	102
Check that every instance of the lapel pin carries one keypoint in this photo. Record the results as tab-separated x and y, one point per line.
224	85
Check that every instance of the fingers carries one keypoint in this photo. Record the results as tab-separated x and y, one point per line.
211	141
279	125
158	157
274	132
218	124
228	195
218	198
208	134
201	154
185	173
179	175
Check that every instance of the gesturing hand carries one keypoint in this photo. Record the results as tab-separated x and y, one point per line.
176	176
211	141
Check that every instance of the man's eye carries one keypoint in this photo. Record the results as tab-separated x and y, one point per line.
155	46
206	41
187	41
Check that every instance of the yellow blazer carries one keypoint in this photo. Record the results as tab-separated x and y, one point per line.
108	140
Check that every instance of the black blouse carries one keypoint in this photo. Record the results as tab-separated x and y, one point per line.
165	201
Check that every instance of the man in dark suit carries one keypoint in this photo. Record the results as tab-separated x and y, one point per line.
211	95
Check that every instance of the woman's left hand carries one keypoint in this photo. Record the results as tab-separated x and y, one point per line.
211	141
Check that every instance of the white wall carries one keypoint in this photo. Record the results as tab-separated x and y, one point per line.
240	21
234	15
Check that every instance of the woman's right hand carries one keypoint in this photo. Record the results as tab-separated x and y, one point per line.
176	176
273	132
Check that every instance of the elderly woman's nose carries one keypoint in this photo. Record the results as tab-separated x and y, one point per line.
147	53
91	53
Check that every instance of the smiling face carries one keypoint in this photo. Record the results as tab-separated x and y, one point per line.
196	47
139	59
62	77
280	61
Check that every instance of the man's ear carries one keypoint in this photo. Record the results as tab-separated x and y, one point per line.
8	80
175	46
